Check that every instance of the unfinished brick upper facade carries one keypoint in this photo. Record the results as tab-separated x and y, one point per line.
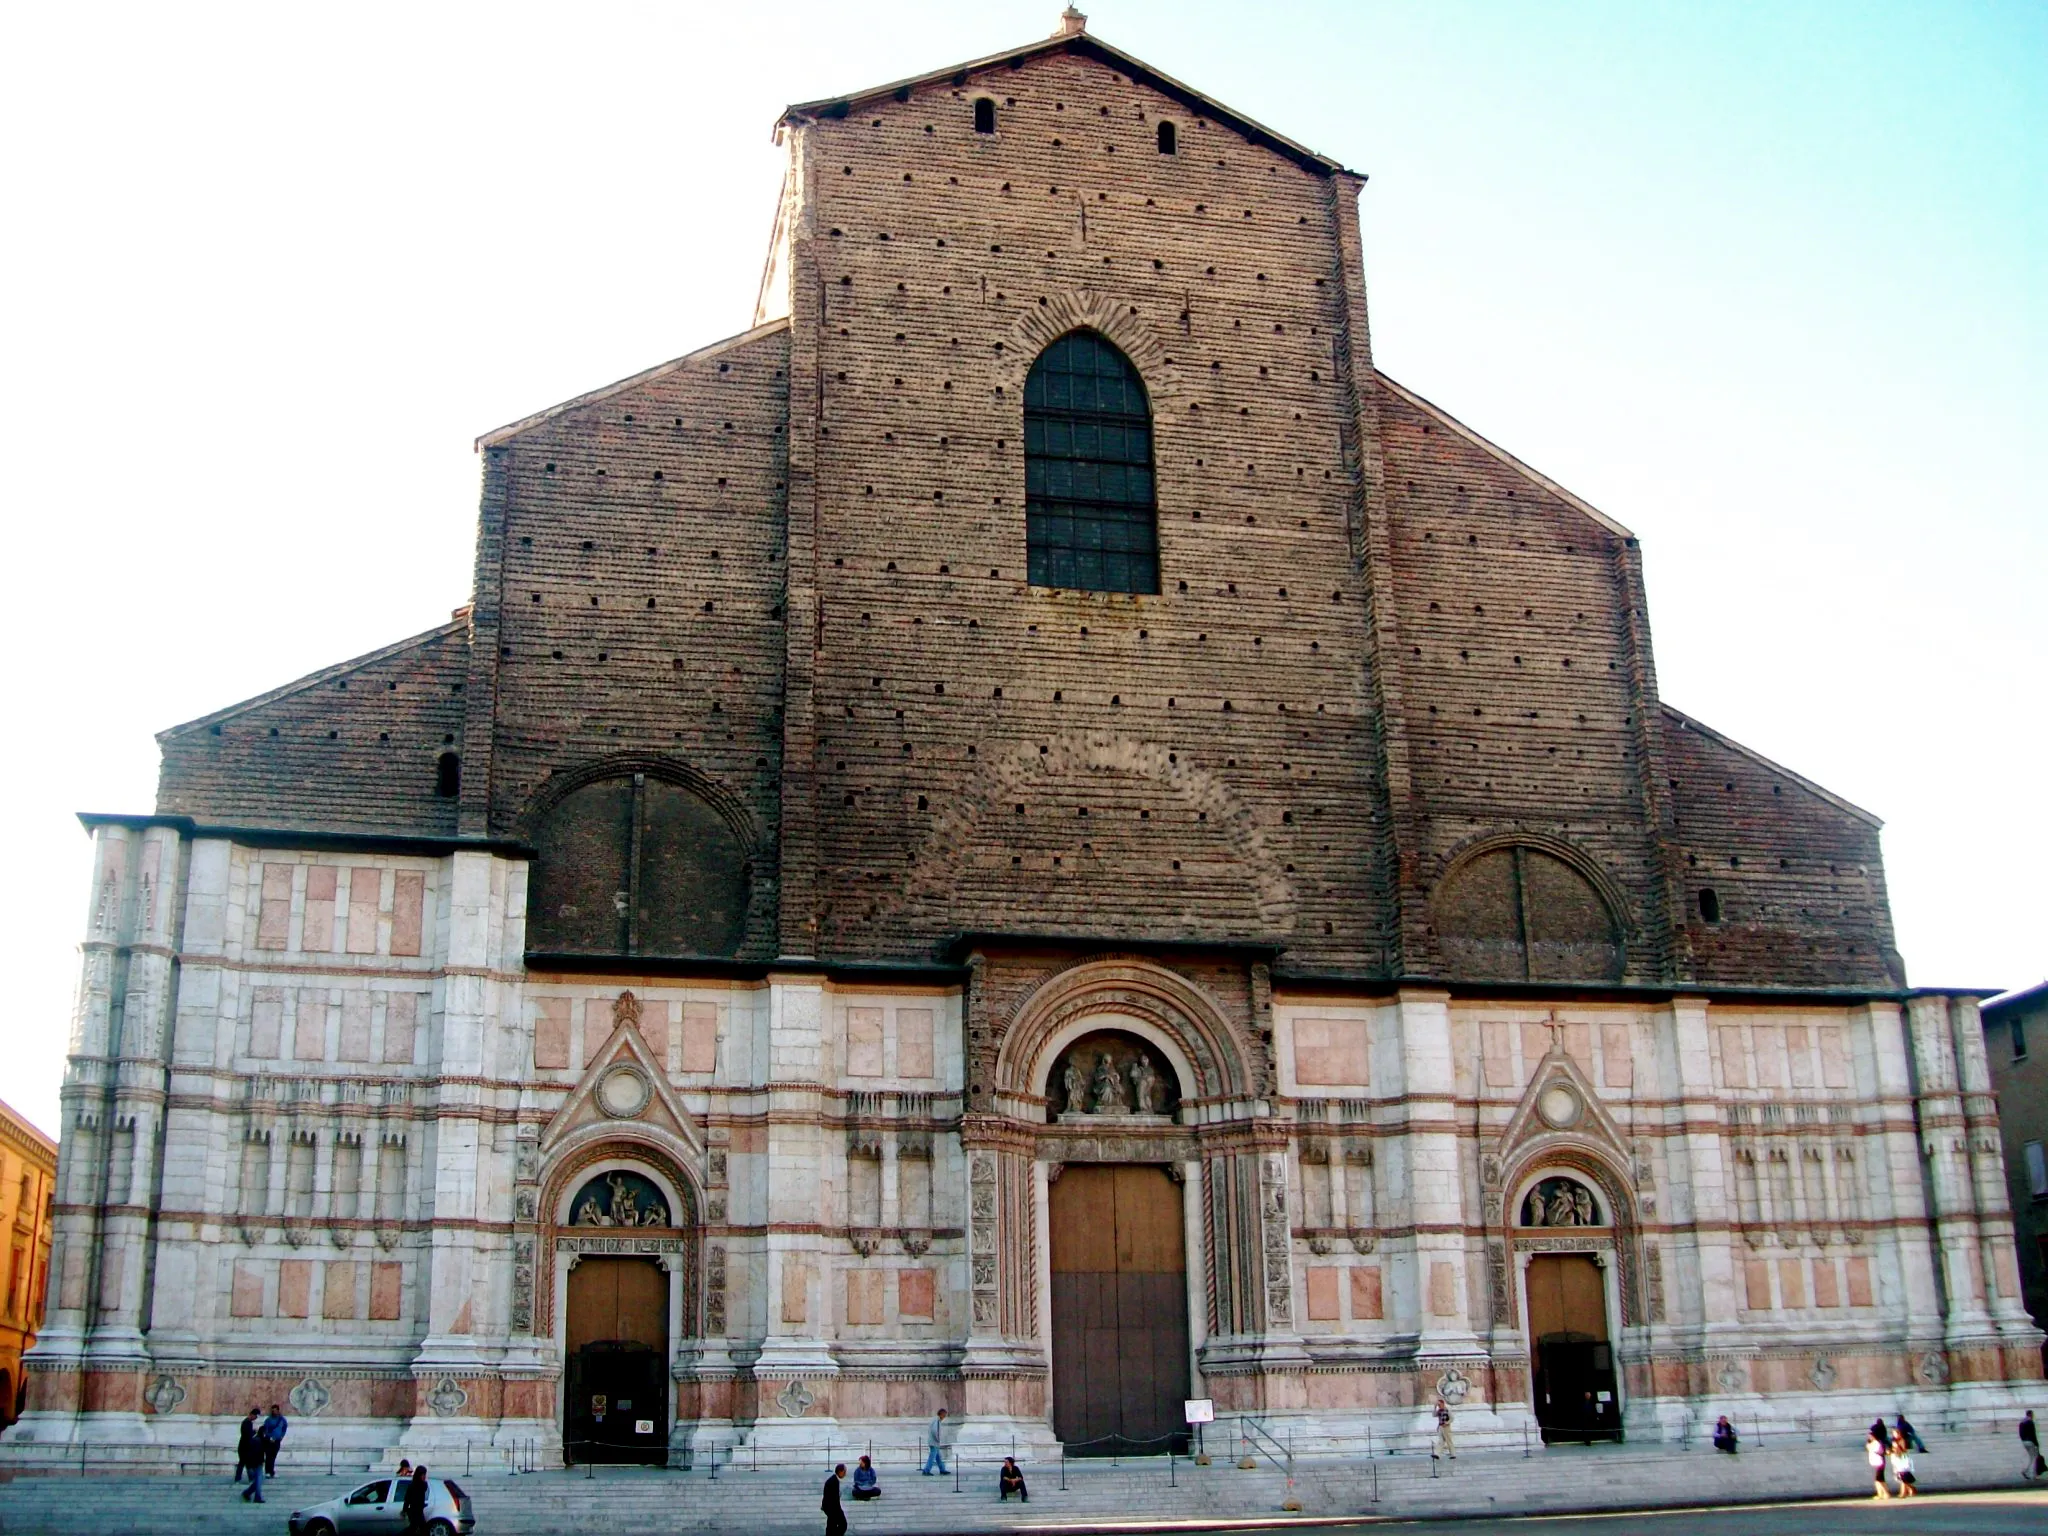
756	766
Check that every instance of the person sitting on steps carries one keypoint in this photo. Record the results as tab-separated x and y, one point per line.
1724	1435
1011	1480
865	1484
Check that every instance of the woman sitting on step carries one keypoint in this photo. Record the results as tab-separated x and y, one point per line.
1011	1480
865	1484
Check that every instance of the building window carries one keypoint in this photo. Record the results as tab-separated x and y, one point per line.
1710	906
1167	139
2037	1170
2019	1038
1090	518
984	115
448	776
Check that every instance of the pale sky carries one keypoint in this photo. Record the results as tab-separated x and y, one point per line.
1764	283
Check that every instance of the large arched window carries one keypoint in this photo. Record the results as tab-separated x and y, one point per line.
635	865
1089	509
1518	913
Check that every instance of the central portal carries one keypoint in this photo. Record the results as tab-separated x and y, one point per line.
1119	1310
615	1399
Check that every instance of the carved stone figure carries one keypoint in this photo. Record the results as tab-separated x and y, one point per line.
1077	1087
625	1211
1535	1215
1582	1204
1563	1212
1144	1087
1108	1088
589	1215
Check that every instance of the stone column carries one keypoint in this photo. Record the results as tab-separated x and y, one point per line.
1894	1188
795	1370
1435	1180
1006	1366
465	1334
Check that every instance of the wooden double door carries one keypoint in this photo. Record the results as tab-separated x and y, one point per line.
1576	1398
1119	1310
615	1381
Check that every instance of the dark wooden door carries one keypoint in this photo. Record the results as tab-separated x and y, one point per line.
616	1379
1573	1360
1119	1310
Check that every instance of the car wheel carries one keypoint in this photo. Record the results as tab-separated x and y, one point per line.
318	1528
440	1528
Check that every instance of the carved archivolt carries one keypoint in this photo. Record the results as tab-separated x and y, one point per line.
640	1155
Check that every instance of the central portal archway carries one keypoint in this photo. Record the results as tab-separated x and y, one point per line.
1119	1310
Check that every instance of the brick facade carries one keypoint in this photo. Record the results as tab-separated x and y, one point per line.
774	784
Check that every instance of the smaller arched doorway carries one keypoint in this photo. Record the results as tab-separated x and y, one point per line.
615	1333
1564	1235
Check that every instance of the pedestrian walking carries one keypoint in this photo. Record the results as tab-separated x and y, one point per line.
1445	1445
2030	1442
1011	1480
415	1509
1901	1459
1913	1441
935	1446
1874	1454
249	1457
866	1485
274	1429
835	1516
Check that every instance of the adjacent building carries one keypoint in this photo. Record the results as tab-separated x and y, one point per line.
1029	834
2016	1043
28	1181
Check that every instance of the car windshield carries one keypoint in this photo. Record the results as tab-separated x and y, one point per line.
370	1493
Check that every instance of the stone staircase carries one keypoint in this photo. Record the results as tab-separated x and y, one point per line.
777	1499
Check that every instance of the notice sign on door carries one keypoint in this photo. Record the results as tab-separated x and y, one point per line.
1200	1410
643	1426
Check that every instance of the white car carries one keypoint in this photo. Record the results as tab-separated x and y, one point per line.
378	1509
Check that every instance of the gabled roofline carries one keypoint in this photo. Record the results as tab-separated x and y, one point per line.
1687	722
498	435
1577	502
455	626
1087	47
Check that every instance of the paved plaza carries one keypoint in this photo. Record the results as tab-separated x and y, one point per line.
1970	1480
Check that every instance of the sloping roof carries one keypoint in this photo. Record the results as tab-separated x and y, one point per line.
525	423
1084	46
459	625
1494	450
2026	997
1688	723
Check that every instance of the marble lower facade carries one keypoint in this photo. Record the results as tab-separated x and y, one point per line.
434	1196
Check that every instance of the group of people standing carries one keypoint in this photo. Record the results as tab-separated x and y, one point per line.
1889	1455
256	1451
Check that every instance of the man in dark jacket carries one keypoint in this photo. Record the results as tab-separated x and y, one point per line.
273	1438
249	1456
2030	1443
835	1517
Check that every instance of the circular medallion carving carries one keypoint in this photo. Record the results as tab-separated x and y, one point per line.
1559	1106
623	1092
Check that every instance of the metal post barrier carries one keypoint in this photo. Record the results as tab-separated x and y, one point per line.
1525	1439
958	1454
1063	1467
1170	1476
